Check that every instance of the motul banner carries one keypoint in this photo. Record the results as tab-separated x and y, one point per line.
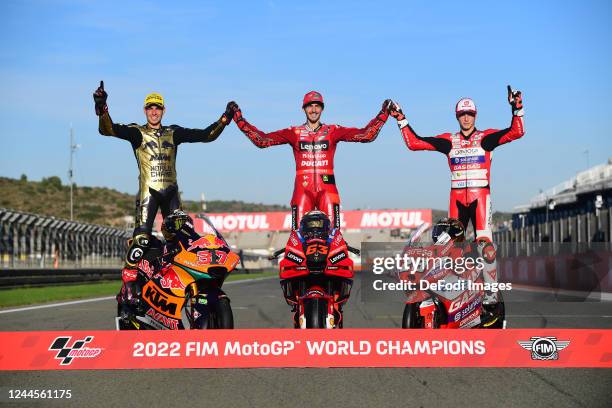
281	221
89	350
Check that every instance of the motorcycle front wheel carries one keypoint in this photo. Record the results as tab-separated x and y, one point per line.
315	313
222	317
411	318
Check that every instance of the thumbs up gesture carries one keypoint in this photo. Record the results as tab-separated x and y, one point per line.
100	97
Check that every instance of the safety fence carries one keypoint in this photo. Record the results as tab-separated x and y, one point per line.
554	233
35	241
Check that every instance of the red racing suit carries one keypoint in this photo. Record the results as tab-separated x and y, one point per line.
469	160
315	184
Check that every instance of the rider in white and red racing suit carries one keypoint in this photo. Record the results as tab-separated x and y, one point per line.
469	154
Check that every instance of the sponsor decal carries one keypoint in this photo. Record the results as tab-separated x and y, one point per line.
67	353
314	163
145	266
164	320
328	179
151	145
393	219
294	257
167	145
337	258
467	160
160	157
171	281
202	242
544	348
314	146
159	301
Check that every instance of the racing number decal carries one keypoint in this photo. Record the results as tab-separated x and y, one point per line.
208	257
316	248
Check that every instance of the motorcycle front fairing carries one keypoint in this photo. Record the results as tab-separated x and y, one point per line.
328	257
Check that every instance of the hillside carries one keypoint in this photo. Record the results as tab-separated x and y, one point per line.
98	205
105	206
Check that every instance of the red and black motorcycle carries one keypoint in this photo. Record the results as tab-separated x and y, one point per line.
316	273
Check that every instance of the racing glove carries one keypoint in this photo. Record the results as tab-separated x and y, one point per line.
515	99
237	113
395	110
100	97
226	117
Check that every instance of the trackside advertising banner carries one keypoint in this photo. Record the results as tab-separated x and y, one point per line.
89	350
281	221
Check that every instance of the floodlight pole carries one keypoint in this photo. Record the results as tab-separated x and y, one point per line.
73	148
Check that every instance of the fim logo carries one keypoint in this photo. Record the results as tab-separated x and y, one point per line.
67	353
544	348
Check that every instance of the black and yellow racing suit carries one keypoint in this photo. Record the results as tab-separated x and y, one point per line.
155	151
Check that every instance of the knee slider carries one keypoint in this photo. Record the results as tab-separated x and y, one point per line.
138	246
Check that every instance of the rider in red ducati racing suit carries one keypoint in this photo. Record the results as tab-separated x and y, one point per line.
314	145
469	155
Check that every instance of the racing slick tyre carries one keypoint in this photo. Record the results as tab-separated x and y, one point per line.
222	317
315	313
411	318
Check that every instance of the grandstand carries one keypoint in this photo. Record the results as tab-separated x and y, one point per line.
576	210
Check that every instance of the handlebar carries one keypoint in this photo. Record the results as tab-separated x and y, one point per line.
276	254
353	250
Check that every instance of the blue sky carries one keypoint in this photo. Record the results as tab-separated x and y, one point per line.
266	55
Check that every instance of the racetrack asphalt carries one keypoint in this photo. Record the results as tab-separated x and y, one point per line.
259	304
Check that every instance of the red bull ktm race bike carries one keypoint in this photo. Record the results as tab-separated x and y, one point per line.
180	286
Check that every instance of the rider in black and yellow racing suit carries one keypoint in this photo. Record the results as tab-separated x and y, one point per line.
155	147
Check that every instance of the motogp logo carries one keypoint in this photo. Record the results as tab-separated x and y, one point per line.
67	353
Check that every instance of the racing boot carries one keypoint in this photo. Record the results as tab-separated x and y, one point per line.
128	298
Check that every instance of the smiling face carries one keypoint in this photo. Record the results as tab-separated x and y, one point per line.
313	113
154	114
466	120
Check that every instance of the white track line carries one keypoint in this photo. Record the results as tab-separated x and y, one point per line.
76	302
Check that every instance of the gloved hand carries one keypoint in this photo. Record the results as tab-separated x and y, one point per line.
515	99
237	113
395	110
100	97
386	106
227	116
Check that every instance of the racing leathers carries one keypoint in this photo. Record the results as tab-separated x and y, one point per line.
314	149
155	151
469	160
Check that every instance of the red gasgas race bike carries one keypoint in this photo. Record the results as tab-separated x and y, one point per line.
456	300
316	277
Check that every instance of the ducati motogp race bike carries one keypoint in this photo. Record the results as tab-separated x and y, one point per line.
181	289
457	300
316	278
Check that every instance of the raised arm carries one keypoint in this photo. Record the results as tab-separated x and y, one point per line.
494	138
440	143
106	127
210	134
369	132
259	138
